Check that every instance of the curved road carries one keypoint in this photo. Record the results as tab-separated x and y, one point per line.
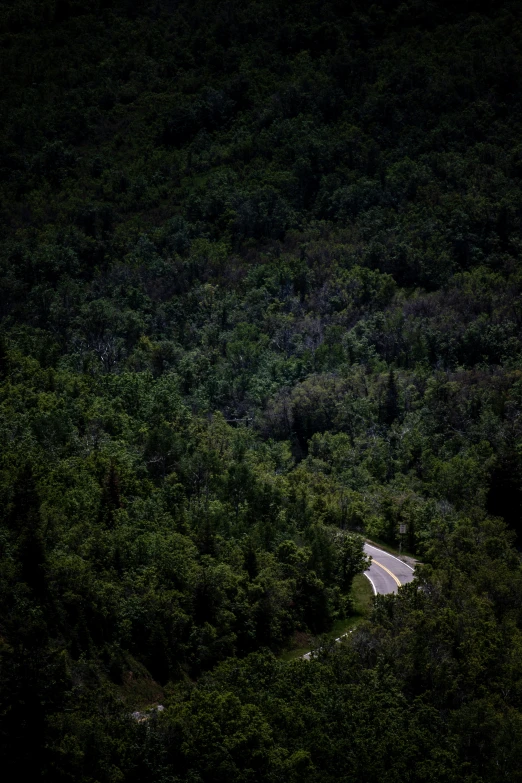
386	573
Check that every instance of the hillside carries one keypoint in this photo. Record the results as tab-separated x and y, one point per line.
260	298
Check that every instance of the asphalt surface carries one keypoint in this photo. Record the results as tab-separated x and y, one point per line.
386	573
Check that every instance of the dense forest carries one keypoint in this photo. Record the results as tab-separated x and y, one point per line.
260	298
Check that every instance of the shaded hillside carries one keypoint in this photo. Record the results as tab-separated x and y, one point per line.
260	295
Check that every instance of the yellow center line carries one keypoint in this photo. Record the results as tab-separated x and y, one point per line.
387	571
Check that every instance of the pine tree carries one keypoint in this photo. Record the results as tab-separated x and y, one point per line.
390	409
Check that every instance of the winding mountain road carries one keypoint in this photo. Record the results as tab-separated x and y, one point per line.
386	573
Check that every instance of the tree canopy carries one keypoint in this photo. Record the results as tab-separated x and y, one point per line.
260	298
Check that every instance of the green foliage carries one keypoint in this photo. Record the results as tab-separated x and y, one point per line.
259	297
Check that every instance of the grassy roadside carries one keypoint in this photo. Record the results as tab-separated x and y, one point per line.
362	597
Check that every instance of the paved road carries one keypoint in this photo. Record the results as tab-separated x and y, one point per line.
386	573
